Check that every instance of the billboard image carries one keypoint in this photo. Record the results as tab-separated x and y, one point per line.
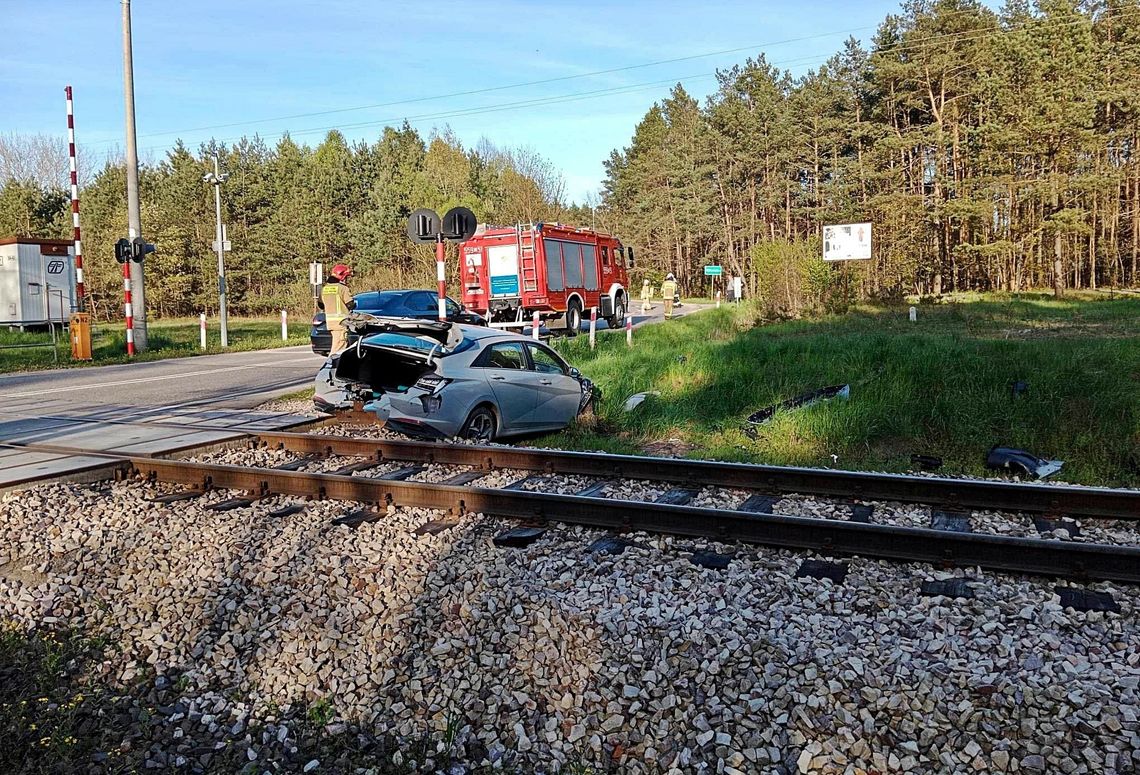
847	242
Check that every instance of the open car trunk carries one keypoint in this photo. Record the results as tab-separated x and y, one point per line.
392	353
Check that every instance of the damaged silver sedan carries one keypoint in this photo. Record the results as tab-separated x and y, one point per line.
432	379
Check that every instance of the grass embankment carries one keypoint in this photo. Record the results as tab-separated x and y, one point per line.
168	338
939	386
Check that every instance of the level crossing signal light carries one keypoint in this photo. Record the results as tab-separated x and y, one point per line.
132	250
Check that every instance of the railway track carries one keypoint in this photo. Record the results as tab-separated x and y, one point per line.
948	542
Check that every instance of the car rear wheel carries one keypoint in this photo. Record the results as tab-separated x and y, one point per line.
617	320
479	426
573	319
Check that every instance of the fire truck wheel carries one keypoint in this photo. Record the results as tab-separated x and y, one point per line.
617	320
573	318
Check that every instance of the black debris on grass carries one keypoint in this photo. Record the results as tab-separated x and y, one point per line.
925	462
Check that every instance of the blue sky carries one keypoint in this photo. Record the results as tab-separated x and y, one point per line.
249	64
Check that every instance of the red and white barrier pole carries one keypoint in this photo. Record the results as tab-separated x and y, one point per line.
593	326
534	325
128	312
629	331
80	288
284	326
202	329
441	274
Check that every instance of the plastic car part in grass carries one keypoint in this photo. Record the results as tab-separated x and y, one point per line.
1010	459
637	399
806	399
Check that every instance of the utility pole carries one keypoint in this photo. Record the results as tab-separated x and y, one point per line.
216	179
134	218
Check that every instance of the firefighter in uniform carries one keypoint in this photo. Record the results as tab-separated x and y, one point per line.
646	296
668	291
337	302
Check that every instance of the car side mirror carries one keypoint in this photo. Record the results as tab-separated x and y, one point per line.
575	373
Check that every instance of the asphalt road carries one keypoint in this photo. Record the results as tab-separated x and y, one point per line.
232	380
239	380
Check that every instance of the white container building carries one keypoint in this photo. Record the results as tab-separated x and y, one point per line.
37	281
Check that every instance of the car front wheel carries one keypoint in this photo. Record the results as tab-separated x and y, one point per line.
479	426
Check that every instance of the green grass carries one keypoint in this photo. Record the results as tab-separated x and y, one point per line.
940	386
168	338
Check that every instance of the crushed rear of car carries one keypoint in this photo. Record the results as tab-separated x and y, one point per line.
431	379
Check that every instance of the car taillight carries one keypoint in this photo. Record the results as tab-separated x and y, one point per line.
431	383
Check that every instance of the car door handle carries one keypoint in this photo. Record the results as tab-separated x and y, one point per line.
544	382
498	377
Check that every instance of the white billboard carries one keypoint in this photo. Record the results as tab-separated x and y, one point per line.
847	242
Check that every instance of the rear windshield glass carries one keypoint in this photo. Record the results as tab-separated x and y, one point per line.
405	342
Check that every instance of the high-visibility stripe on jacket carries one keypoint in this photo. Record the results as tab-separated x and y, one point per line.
668	289
335	298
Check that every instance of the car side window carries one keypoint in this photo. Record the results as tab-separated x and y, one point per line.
452	307
421	302
505	355
545	361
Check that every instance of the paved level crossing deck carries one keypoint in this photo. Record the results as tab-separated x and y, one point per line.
26	454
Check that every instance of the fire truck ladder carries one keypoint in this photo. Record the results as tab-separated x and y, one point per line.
525	239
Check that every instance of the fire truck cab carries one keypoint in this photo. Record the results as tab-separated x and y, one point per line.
556	270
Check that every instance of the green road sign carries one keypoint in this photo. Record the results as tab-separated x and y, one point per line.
712	271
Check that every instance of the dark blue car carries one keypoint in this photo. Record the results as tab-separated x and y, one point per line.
423	305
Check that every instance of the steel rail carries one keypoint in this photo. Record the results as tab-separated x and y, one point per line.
1001	553
1094	502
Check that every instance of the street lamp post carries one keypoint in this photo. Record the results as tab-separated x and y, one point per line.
216	179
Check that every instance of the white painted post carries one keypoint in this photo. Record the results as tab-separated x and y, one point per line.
629	332
534	325
718	299
913	314
284	326
202	329
488	314
593	326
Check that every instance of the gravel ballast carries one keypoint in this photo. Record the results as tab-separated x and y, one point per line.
551	658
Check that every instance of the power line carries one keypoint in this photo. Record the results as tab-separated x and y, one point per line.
490	89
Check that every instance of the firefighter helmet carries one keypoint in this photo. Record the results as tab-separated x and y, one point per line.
340	272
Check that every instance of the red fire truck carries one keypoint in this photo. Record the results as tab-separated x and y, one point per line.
555	270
